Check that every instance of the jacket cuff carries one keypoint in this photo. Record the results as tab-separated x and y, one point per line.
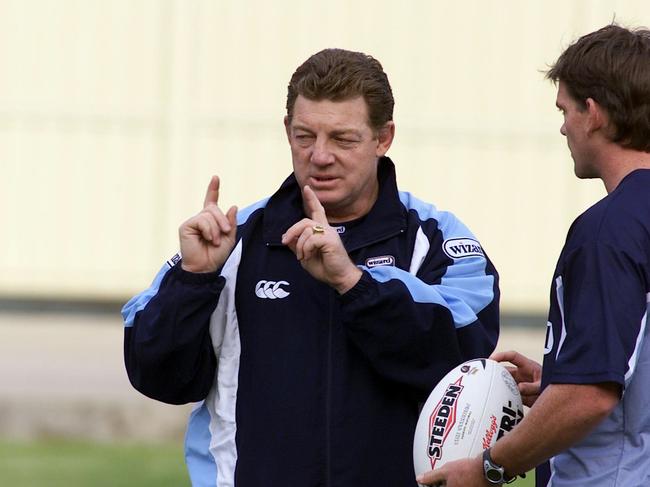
187	277
362	287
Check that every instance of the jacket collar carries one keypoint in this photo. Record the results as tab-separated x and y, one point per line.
386	218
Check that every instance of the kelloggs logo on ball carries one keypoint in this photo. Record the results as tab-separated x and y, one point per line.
490	432
442	420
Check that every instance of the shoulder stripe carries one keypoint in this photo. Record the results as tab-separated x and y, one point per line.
464	302
222	400
200	463
420	251
466	288
559	291
425	211
139	301
245	213
448	224
639	341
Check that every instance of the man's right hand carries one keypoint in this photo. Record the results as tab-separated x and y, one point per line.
526	372
207	238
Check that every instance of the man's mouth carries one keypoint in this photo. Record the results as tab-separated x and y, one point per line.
322	180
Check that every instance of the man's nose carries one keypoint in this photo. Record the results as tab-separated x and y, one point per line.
321	152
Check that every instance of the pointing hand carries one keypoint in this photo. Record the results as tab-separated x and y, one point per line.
207	238
319	248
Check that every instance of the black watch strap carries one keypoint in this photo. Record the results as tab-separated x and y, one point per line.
494	473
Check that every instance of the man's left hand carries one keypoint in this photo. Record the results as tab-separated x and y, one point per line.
460	473
319	248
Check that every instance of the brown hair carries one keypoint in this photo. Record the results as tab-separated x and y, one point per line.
337	75
612	66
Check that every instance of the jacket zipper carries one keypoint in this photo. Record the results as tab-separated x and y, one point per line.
361	245
328	398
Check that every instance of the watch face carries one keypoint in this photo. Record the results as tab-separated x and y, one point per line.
493	475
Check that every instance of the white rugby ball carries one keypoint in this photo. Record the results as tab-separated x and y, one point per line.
470	408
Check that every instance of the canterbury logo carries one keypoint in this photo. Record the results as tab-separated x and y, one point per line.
271	289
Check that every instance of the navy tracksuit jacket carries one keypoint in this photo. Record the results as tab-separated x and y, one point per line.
296	385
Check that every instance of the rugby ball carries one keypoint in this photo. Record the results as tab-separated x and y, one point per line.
468	411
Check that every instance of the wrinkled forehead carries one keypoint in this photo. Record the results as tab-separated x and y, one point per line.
350	113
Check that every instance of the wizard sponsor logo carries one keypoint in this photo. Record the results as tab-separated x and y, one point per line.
458	248
381	260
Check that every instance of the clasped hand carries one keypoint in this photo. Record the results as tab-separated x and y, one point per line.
526	372
321	253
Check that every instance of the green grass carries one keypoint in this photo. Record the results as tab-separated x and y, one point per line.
76	464
529	481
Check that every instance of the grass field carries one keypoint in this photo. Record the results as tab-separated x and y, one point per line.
529	481
77	464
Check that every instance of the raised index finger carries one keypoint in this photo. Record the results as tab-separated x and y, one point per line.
314	209
212	194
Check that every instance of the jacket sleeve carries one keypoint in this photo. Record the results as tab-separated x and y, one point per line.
415	326
168	352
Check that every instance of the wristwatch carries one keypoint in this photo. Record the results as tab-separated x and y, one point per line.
495	474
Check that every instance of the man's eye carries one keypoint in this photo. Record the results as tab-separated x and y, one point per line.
342	140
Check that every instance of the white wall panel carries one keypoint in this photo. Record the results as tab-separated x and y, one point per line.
113	116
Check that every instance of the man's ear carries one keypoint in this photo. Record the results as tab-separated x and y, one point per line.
597	117
385	136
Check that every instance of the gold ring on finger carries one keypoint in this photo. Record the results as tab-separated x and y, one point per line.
317	229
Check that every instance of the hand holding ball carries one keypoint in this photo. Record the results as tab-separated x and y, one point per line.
468	411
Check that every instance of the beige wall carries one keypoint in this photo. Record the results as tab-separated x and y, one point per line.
113	115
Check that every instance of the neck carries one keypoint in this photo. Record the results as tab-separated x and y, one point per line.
357	210
355	205
620	162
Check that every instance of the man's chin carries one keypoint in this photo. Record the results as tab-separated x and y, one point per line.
334	209
581	173
326	197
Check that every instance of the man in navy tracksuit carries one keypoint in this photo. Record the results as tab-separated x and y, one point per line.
310	326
